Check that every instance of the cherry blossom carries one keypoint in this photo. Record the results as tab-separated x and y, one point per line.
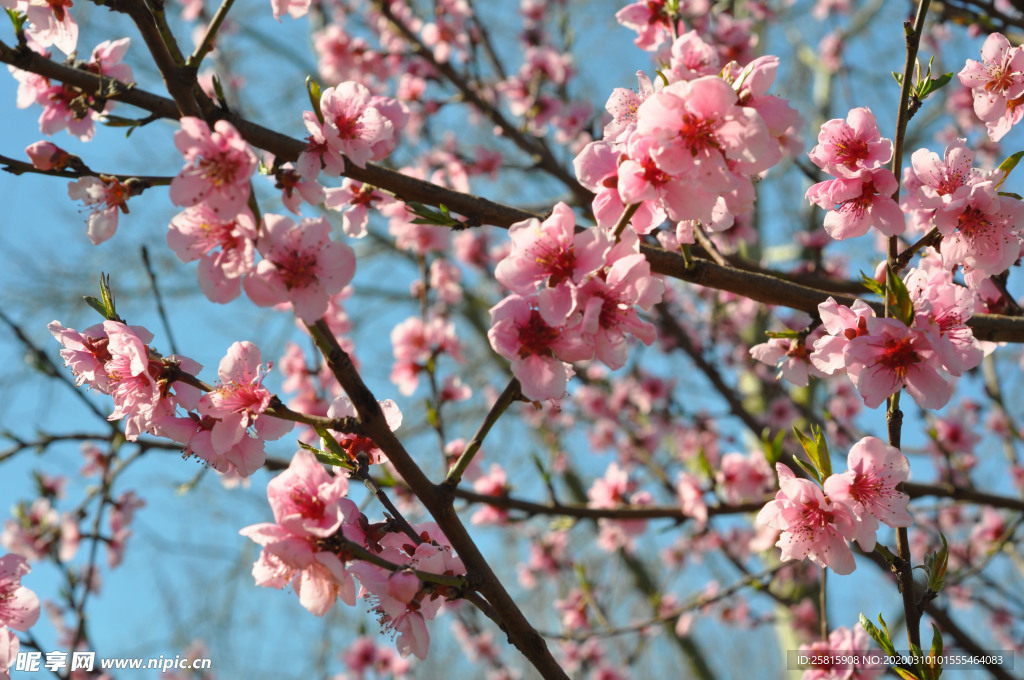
225	248
353	126
301	265
855	204
891	357
107	196
869	483
812	526
847	147
19	606
218	165
840	657
997	84
240	400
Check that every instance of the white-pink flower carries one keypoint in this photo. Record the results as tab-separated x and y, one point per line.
874	469
301	265
353	126
218	166
19	606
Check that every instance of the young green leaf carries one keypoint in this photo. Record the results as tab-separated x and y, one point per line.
1007	166
899	298
314	92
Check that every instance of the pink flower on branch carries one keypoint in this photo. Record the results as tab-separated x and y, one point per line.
240	400
847	147
353	127
997	84
812	525
218	166
106	195
891	357
225	248
855	204
19	606
874	469
301	265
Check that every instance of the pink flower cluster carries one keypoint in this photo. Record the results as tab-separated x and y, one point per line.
816	523
981	229
65	106
860	196
116	359
357	125
997	85
19	609
574	297
310	547
691	149
837	657
884	356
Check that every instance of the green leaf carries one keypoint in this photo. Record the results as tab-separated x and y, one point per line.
905	674
1007	166
935	564
872	285
808	469
314	92
95	304
899	298
816	450
881	638
783	334
1011	195
933	84
898	77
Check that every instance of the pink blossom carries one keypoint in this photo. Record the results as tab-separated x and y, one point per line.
19	606
891	357
812	526
550	252
743	478
855	204
240	400
494	483
703	133
357	200
52	24
869	484
301	265
944	308
844	648
225	248
692	58
622	105
649	19
538	351
107	196
217	169
84	353
848	147
997	84
984	235
939	185
9	646
691	498
842	324
307	501
352	125
793	357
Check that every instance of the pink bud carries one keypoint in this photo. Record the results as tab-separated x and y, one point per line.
47	156
403	586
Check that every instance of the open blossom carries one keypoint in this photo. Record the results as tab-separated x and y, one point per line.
308	506
240	400
944	307
812	525
842	657
538	351
19	606
793	357
891	357
932	184
353	126
52	24
869	483
301	265
983	234
842	324
997	83
622	105
857	203
846	147
218	166
107	196
225	248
